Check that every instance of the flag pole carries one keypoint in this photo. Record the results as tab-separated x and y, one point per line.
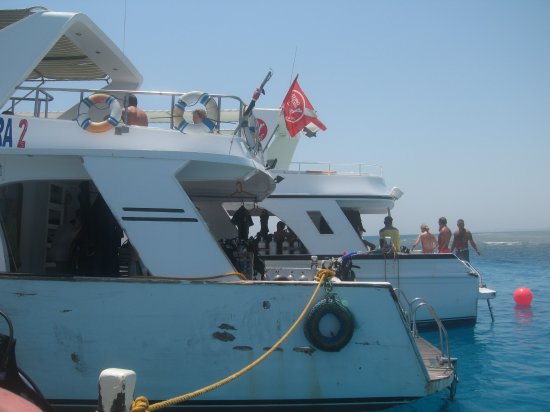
260	90
255	97
292	84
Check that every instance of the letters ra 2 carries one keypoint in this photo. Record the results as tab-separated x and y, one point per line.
6	132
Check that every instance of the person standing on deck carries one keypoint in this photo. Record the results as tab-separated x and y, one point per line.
389	231
429	242
460	242
444	237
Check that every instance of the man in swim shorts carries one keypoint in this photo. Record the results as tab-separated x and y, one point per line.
460	242
444	236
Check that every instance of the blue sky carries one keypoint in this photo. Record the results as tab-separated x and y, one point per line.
452	98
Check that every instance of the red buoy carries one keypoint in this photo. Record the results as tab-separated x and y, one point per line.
523	296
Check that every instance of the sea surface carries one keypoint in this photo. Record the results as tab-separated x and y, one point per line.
502	365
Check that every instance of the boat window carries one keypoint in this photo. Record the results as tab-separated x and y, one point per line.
354	219
10	219
320	222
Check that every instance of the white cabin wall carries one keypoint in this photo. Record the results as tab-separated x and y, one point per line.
282	147
294	214
217	219
158	216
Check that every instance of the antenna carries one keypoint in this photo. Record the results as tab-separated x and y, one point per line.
293	62
124	34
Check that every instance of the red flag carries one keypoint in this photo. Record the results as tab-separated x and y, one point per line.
298	110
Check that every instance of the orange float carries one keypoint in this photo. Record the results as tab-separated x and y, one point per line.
97	99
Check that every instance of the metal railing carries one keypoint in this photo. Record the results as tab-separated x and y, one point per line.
418	303
44	95
410	317
352	169
473	271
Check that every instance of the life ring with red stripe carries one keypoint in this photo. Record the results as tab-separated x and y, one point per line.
329	325
99	100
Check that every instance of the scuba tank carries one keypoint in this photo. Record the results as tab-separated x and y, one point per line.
262	247
286	247
273	247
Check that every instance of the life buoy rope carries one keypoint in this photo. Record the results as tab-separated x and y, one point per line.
191	99
97	99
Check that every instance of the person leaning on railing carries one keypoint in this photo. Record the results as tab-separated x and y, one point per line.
199	115
134	115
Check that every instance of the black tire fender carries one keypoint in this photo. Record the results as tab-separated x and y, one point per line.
333	342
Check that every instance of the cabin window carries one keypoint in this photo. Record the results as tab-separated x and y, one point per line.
10	219
56	194
354	218
320	222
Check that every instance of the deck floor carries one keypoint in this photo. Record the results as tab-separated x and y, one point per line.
431	356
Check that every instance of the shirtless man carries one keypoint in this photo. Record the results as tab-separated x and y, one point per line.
460	242
134	115
429	243
444	236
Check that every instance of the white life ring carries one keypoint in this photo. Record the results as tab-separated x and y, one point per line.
250	128
191	99
84	119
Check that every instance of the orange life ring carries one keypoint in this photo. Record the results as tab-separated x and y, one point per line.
86	122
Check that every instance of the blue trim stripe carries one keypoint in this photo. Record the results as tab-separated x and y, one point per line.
183	124
85	123
209	123
181	105
204	99
87	102
112	120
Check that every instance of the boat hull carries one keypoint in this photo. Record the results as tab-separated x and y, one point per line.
181	336
441	280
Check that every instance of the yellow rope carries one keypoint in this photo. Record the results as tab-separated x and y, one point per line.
141	404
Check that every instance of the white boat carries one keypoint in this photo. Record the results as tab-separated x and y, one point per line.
176	325
324	203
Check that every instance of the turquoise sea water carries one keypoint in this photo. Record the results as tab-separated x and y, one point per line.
505	365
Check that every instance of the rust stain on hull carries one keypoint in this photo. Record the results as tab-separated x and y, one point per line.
304	349
225	326
223	336
243	348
